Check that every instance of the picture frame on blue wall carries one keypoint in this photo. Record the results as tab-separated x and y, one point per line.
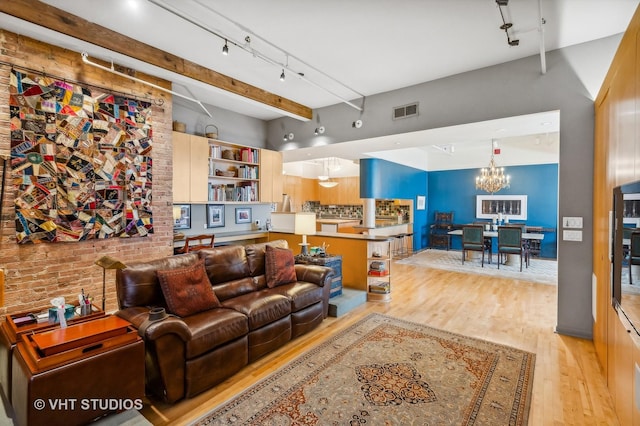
421	202
511	207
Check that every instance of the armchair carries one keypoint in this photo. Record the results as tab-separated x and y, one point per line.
438	232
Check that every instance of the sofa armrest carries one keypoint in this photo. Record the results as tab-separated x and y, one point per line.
170	325
165	353
315	274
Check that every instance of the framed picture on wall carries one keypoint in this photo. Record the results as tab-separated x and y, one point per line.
215	215
182	216
243	215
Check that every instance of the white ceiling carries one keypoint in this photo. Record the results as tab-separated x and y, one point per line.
364	47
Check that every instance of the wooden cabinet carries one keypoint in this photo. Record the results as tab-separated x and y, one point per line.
271	179
209	170
379	271
347	192
190	167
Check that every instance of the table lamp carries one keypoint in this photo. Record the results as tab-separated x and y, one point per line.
305	224
107	262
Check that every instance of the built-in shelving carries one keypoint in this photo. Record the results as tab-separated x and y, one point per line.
379	271
234	173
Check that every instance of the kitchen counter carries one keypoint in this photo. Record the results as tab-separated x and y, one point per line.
339	220
346	225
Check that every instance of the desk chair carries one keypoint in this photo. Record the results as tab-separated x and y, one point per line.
634	252
197	242
510	242
473	239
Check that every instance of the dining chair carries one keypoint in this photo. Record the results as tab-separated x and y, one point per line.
634	252
510	242
473	239
197	242
488	241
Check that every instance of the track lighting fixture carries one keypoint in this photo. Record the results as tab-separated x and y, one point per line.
288	137
319	130
247	47
506	25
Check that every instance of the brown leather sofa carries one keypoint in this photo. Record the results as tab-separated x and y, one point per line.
187	355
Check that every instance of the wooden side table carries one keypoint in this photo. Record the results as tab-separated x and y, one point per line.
90	369
12	330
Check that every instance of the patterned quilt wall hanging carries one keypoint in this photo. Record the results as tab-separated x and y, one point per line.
81	162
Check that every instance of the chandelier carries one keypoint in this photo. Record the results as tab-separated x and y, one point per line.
492	179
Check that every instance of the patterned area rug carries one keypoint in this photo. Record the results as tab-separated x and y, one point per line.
544	271
386	371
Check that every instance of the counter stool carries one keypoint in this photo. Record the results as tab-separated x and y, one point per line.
408	243
396	244
400	244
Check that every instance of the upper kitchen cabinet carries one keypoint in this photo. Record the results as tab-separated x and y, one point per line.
271	179
190	168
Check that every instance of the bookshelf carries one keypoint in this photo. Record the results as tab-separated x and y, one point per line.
233	173
379	271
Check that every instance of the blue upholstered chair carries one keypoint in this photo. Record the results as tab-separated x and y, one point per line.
473	239
510	242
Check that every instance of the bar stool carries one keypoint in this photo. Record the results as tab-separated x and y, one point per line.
401	247
408	243
397	244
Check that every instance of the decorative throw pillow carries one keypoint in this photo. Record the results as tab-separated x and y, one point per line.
188	290
279	266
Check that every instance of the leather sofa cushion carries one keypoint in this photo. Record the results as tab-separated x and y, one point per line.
213	328
255	255
301	294
279	266
187	290
261	307
138	285
235	288
225	263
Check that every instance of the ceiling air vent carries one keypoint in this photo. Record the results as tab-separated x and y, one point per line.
405	111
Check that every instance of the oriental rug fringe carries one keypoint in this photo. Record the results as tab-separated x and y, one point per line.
387	371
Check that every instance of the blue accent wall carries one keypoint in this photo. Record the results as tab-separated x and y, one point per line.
454	190
386	180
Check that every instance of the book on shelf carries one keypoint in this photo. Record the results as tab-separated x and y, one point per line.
380	287
378	273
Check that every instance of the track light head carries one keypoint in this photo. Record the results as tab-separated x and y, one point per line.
514	42
316	132
282	76
288	137
225	48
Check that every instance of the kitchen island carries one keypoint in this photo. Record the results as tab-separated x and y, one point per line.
356	251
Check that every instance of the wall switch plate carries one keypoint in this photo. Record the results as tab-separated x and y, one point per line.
572	222
571	235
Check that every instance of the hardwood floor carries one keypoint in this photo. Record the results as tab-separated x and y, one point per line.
568	389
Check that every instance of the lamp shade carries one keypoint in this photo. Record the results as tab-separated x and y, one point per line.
108	262
305	223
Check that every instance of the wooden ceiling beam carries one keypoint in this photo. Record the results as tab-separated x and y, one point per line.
58	20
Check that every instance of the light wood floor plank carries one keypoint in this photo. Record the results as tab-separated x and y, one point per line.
568	388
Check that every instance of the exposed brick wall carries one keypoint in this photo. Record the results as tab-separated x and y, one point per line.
35	273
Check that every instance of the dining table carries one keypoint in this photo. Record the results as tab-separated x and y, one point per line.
526	236
494	234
